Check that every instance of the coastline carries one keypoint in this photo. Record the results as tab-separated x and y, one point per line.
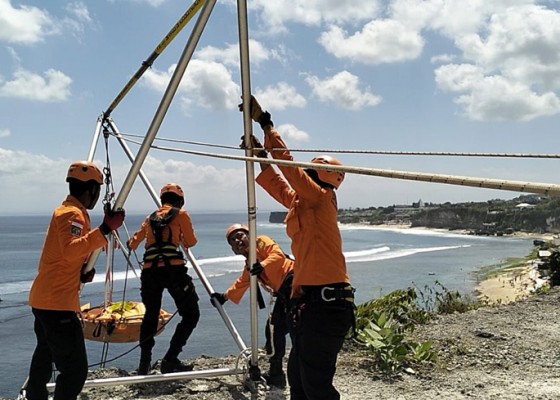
505	284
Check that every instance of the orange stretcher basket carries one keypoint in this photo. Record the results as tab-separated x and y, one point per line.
117	322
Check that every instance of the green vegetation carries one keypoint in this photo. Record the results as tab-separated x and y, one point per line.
381	324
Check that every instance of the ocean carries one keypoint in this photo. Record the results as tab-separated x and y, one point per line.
378	260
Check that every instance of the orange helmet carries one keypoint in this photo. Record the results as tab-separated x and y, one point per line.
334	178
172	188
235	228
84	171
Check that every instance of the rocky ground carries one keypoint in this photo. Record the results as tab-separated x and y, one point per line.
507	351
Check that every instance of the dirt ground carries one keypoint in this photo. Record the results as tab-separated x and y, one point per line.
509	351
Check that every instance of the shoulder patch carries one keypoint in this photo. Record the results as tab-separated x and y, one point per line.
76	228
260	244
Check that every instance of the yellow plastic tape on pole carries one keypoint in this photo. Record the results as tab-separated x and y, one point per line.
193	9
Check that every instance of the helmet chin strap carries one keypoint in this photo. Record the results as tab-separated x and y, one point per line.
93	196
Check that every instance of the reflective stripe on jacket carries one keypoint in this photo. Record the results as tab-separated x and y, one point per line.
311	222
276	267
182	232
67	246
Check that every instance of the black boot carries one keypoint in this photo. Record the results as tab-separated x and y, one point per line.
144	367
145	364
175	365
275	375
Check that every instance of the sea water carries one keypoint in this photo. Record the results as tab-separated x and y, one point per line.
378	261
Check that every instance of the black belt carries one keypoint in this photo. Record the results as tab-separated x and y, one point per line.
329	293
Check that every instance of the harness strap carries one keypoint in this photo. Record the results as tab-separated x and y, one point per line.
162	250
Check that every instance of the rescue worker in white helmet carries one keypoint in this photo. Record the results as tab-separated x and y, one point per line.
54	295
165	231
323	299
274	270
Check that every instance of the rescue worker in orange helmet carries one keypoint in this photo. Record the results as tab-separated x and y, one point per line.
323	299
165	231
274	270
54	295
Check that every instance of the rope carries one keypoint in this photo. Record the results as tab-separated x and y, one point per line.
548	189
357	151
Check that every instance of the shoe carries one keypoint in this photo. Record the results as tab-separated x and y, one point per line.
144	367
278	380
175	365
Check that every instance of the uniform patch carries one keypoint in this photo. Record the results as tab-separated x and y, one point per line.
260	244
76	228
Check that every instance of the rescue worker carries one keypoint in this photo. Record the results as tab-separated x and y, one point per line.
164	268
323	299
274	270
54	295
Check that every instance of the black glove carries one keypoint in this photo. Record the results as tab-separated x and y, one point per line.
256	269
87	277
112	220
256	146
264	120
221	297
257	114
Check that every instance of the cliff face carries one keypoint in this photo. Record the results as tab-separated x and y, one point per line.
491	217
459	218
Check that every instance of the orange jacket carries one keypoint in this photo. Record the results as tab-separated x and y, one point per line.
67	246
311	222
182	232
276	267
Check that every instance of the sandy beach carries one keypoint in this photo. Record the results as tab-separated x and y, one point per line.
501	287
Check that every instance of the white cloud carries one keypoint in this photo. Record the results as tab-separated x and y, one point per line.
292	134
453	18
25	24
279	13
153	3
494	98
80	17
230	54
514	70
279	97
205	83
522	43
380	41
343	90
5	133
443	58
54	86
34	177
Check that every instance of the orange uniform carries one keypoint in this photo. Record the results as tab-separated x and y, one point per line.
182	232
311	222
68	244
276	268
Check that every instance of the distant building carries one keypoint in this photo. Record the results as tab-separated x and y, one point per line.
523	206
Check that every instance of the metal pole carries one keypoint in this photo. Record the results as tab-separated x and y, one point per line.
165	103
130	156
229	324
129	380
95	139
250	170
160	113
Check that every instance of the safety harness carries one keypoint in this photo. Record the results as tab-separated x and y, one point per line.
162	250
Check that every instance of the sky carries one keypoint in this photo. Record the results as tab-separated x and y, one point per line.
462	76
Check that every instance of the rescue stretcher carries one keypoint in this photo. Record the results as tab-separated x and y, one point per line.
117	322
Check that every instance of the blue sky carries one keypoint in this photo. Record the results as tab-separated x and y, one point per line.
403	75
